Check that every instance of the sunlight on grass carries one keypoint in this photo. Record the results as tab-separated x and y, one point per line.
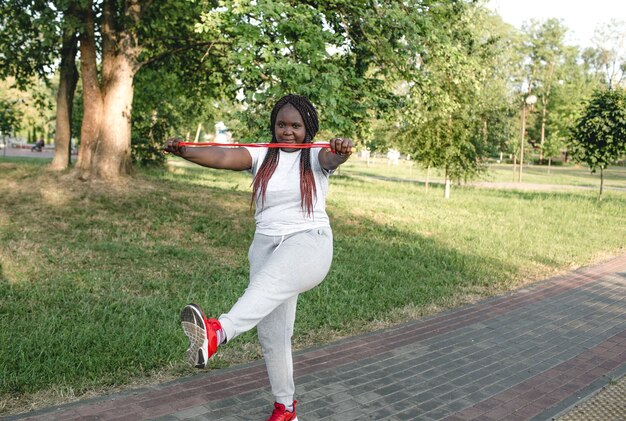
571	175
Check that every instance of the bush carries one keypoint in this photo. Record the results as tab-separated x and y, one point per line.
147	139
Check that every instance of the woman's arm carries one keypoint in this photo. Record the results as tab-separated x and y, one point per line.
236	159
340	151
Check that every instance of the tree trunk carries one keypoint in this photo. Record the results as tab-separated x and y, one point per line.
198	133
112	157
601	182
514	165
523	140
65	97
549	164
544	101
105	131
92	97
543	132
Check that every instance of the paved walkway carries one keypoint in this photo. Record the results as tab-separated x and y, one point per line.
529	355
26	152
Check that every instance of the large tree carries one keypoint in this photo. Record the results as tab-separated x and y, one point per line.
119	39
115	40
108	86
446	121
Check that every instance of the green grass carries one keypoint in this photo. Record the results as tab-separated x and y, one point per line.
571	175
92	277
575	175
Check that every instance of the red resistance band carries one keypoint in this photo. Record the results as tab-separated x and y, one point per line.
259	145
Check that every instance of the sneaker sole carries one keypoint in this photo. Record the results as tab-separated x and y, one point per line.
192	323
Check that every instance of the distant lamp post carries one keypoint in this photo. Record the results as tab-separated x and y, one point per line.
528	103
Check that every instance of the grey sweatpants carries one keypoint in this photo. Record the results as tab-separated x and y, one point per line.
281	267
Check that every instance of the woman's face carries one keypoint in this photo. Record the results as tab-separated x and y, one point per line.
289	127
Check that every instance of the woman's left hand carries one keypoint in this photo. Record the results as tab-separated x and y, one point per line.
341	146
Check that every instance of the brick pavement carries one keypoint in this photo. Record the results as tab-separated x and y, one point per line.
528	355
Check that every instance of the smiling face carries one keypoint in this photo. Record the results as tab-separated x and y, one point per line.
289	127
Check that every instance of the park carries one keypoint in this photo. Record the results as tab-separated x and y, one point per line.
479	224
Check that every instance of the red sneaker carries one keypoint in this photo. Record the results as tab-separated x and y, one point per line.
202	334
281	414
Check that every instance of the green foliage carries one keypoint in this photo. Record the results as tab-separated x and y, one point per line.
32	106
31	33
545	56
433	79
181	77
28	40
157	105
599	137
275	48
10	117
148	136
336	53
544	48
450	120
574	87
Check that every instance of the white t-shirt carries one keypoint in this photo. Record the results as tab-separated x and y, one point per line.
281	212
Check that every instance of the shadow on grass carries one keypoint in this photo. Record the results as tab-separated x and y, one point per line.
378	270
109	271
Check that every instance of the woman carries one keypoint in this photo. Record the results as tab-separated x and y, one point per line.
292	247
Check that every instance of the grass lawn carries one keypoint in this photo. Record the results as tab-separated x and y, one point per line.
92	277
570	175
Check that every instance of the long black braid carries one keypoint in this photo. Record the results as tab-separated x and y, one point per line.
307	181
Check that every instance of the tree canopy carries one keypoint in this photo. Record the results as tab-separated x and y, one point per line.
340	54
438	80
447	117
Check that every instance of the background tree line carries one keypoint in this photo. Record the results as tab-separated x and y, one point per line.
443	81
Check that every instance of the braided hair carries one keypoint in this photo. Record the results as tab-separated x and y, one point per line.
307	181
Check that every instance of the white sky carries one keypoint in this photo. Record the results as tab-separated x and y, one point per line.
581	17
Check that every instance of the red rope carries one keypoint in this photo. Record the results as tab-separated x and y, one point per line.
259	145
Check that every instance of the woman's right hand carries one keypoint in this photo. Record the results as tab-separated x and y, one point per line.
173	145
